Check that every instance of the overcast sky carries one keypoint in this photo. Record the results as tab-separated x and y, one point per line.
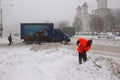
45	10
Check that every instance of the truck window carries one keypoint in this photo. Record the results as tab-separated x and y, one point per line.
58	31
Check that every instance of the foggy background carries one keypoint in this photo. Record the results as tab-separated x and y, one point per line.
36	11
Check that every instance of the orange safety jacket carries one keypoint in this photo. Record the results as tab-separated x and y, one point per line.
82	47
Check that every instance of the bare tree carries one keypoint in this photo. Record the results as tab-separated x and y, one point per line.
78	24
63	24
96	24
118	19
109	22
116	14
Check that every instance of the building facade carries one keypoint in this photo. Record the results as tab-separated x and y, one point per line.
102	11
102	4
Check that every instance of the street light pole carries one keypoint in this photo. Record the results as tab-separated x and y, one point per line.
1	18
1	27
1	24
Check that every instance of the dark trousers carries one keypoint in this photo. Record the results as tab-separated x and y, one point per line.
10	42
82	56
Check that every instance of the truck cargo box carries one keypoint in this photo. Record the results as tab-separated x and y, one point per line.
30	29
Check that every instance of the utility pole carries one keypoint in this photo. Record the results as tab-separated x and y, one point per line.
1	27
1	16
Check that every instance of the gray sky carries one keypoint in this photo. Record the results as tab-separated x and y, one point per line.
44	10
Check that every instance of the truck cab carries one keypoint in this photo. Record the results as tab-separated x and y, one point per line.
59	36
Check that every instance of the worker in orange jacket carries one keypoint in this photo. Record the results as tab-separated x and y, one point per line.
84	46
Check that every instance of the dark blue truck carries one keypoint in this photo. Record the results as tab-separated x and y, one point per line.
42	32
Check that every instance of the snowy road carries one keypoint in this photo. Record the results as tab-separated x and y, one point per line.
106	50
107	47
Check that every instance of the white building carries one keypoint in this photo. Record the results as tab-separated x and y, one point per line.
82	13
102	4
103	11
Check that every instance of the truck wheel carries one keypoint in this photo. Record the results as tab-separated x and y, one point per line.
64	42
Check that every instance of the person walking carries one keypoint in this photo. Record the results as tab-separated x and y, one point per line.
83	46
10	39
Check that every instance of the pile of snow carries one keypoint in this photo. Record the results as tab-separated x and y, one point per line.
54	61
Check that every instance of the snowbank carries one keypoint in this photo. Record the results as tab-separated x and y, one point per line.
56	62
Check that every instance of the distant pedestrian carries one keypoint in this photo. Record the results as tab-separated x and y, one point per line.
10	39
84	46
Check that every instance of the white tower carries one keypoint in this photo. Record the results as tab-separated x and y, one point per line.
85	18
102	3
85	8
78	11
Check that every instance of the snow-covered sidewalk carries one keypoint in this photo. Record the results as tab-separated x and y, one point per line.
55	63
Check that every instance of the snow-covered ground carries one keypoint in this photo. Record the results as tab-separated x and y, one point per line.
53	61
